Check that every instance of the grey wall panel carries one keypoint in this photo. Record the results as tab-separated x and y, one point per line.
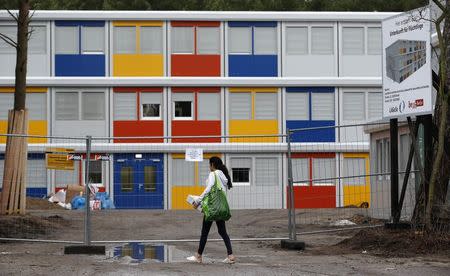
360	66
255	197
80	128
310	66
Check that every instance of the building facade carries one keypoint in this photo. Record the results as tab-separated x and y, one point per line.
156	80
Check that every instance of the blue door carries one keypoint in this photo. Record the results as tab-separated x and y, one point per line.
139	181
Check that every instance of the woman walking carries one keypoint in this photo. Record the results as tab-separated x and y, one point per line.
219	171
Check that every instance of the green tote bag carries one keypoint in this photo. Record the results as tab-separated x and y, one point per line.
215	204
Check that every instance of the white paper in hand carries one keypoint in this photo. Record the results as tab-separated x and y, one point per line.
191	199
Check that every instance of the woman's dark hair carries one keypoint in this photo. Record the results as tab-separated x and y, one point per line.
217	163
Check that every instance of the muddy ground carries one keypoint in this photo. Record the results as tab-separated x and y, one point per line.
351	252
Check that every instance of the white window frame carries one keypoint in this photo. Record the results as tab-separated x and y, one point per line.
86	52
333	39
114	36
308	169
250	52
250	173
331	182
307	52
365	26
80	103
197	38
172	45
272	51
192	108
113	106
141	108
341	108
161	46
77	40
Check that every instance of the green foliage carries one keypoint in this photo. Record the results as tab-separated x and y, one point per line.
223	5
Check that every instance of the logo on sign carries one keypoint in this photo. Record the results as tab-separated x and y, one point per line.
415	104
101	157
74	157
401	106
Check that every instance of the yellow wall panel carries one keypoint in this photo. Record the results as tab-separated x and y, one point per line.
357	194
179	194
133	65
254	127
29	89
34	128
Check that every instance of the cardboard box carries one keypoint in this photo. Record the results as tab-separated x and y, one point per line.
72	191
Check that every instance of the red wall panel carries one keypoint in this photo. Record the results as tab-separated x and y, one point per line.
138	128
196	128
195	65
314	196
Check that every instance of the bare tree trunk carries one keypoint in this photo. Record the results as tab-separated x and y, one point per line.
13	196
22	55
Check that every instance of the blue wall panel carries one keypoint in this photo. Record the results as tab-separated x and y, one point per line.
252	65
80	65
319	135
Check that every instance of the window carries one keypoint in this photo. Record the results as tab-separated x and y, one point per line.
266	171
124	106
240	106
6	103
66	106
240	168
354	106
322	106
93	106
208	106
126	179
324	171
353	40
183	173
375	105
265	41
37	106
297	40
300	171
66	40
182	40
208	40
11	32
297	106
240	40
183	105
151	40
151	105
124	40
93	39
38	40
150	178
354	167
266	106
95	172
322	41
374	41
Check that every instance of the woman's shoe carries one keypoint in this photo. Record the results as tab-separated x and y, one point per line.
196	258
229	260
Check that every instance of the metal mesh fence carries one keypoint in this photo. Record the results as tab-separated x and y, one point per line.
139	185
347	182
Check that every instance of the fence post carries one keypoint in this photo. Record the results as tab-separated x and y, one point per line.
87	219
292	226
394	170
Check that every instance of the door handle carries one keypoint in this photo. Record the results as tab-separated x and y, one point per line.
140	186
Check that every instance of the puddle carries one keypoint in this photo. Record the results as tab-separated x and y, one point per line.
135	253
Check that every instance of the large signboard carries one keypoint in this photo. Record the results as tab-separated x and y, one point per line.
407	86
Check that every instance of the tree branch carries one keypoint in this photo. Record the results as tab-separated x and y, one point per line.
13	15
8	40
438	3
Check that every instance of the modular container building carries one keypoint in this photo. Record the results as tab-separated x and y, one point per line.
157	79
